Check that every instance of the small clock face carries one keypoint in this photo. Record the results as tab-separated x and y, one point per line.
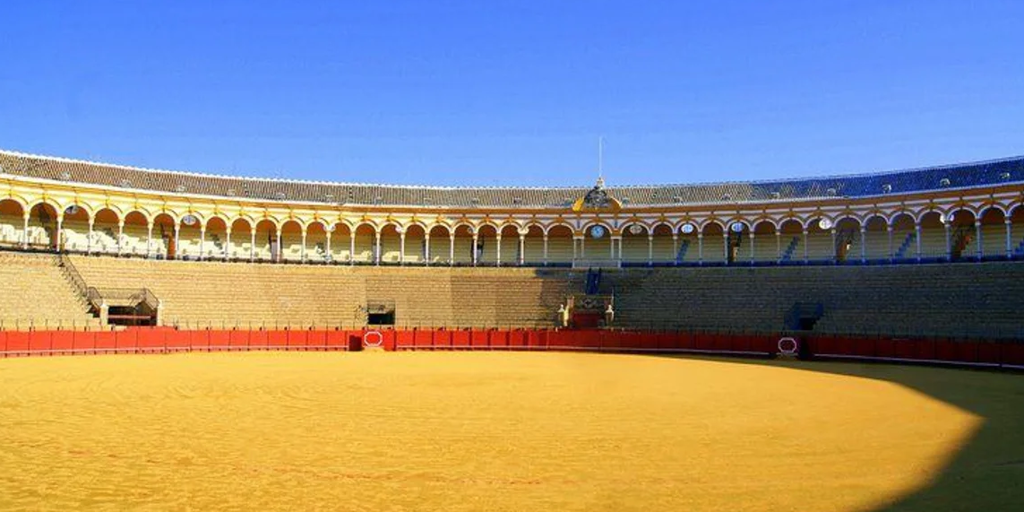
737	227
190	220
824	224
597	231
636	229
687	229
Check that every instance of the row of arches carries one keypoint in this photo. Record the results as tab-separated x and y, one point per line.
992	232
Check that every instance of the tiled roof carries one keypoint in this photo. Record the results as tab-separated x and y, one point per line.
995	172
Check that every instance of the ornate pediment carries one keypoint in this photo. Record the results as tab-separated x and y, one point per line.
597	199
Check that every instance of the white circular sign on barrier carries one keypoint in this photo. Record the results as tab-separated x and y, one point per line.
788	346
378	342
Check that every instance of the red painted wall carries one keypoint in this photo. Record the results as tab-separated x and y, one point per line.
163	340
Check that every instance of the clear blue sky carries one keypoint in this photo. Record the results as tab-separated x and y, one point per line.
515	92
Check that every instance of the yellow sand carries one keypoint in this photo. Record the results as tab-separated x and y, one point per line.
460	431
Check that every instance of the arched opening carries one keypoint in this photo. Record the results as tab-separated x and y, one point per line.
634	244
1017	232
662	245
533	246
993	234
365	244
933	237
713	245
390	244
876	239
559	245
486	245
241	246
464	245
316	243
266	241
163	245
135	238
441	246
415	245
342	245
962	237
765	243
510	248
904	238
819	247
215	239
291	241
12	222
687	251
75	237
596	243
737	241
104	232
190	237
848	241
791	242
42	227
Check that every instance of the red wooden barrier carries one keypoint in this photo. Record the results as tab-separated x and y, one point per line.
219	339
39	341
460	339
126	340
238	339
337	339
423	338
478	339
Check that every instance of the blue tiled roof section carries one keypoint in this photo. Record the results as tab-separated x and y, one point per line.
979	174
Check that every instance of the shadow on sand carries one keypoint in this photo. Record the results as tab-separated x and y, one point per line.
987	474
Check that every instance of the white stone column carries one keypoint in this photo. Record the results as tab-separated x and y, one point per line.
980	250
806	249
583	246
177	239
88	240
24	231
725	247
328	257
451	249
545	256
778	246
252	243
352	247
917	235
650	249
949	245
892	250
426	248
120	236
277	242
476	249
522	249
497	249
202	243
377	256
835	248
302	249
60	234
1009	238
863	245
700	248
613	241
675	248
227	243
401	248
751	240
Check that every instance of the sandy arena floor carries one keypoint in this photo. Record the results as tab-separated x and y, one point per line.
464	431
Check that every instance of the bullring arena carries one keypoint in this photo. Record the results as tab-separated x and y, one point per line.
839	343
